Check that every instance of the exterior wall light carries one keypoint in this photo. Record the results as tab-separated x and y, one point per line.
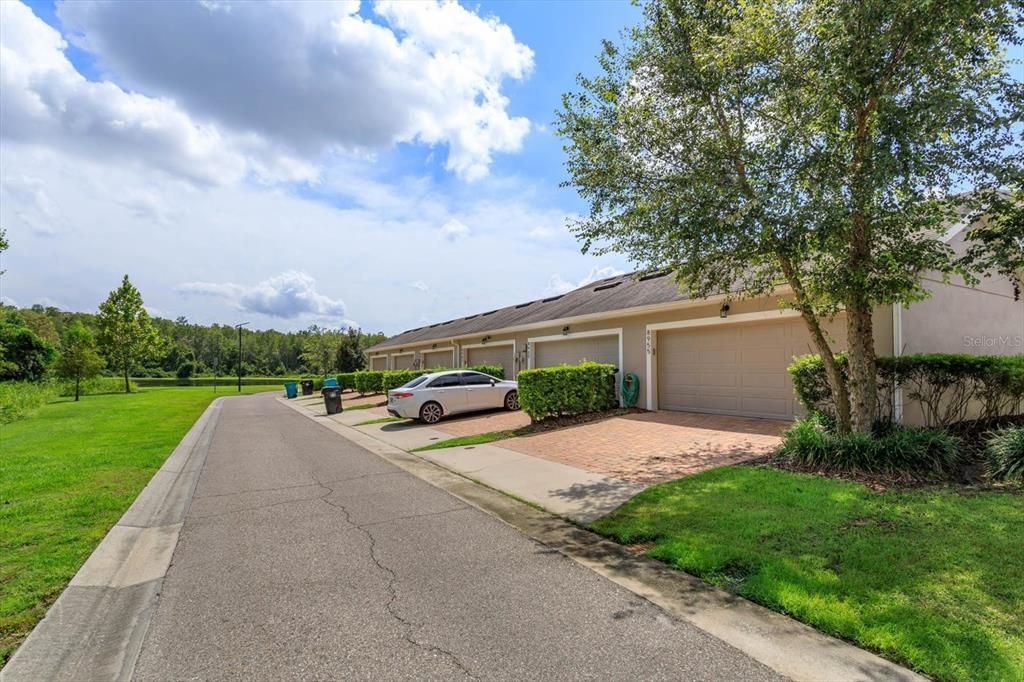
565	330
485	339
723	312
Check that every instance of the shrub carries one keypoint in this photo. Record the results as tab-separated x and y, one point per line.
21	399
1004	454
494	370
919	452
567	390
369	381
393	378
96	386
347	380
945	384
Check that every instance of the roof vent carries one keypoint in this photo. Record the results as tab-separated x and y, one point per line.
553	298
654	275
607	286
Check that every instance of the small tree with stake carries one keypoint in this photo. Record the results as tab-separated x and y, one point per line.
127	335
813	146
78	358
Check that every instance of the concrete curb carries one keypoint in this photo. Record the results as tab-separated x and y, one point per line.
789	647
95	629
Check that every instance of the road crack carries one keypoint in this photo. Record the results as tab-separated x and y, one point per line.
409	627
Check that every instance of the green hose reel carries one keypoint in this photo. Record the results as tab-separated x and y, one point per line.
630	389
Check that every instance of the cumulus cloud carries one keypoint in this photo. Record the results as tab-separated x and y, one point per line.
288	295
454	229
427	72
559	285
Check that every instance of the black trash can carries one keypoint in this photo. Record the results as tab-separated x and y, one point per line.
307	387
332	400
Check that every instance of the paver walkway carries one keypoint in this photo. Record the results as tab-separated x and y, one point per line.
304	556
653	447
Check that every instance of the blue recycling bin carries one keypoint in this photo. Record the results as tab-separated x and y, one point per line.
330	383
291	389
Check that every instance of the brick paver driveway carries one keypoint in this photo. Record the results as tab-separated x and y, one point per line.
654	446
483	422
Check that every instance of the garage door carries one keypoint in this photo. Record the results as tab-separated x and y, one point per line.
573	351
437	358
402	361
380	362
491	355
733	369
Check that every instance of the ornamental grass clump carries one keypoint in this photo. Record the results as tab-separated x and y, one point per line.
1004	454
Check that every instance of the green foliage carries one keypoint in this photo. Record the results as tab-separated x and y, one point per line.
906	452
822	140
96	386
349	354
494	370
1004	454
929	577
22	399
320	349
347	380
127	335
567	390
945	384
185	370
154	382
23	355
78	359
398	377
997	245
368	381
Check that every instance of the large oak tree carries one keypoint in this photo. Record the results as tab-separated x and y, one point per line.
814	148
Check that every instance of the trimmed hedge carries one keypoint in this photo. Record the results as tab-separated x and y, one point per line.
567	390
945	384
1004	454
381	380
920	453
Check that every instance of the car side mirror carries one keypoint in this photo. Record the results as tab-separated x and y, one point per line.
494	382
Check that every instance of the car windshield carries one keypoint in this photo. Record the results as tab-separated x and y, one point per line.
415	382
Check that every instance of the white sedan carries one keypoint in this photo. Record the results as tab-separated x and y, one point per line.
433	396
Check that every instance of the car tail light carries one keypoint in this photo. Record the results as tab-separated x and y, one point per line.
401	395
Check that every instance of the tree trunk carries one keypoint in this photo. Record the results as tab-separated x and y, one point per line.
78	383
836	382
863	377
127	385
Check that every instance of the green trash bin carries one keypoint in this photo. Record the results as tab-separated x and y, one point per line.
291	389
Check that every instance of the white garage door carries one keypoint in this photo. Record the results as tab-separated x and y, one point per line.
733	369
572	351
437	358
491	355
380	362
403	361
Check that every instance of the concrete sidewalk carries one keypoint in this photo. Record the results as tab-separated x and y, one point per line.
568	491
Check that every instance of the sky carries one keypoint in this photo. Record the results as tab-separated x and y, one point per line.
382	164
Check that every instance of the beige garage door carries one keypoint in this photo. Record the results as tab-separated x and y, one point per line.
491	355
380	362
437	358
573	351
733	369
402	361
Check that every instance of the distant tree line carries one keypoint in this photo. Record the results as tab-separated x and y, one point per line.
122	340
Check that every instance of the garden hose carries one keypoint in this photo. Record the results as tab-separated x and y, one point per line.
630	389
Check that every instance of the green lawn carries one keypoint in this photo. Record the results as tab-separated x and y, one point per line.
66	476
932	578
381	420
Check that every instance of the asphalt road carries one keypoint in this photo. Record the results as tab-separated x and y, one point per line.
304	556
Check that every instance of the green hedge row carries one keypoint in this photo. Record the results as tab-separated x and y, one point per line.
945	384
567	390
209	381
379	381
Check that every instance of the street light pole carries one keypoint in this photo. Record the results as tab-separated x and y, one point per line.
239	328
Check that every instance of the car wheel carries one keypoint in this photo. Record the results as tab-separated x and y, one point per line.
512	400
431	413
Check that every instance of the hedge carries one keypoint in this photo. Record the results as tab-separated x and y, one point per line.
381	380
567	390
209	381
945	384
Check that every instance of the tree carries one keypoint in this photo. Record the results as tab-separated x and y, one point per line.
350	351
127	335
810	149
320	348
78	357
4	244
997	244
23	355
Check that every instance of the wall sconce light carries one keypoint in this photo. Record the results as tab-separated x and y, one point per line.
485	339
434	346
565	330
723	312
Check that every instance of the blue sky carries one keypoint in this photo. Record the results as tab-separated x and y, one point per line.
386	165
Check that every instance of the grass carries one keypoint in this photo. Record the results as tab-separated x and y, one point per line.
359	407
382	420
933	577
478	439
66	476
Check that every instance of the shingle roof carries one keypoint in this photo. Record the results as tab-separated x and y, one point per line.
613	293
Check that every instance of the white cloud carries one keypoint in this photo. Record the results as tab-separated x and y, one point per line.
289	80
454	229
288	295
33	206
558	285
420	285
